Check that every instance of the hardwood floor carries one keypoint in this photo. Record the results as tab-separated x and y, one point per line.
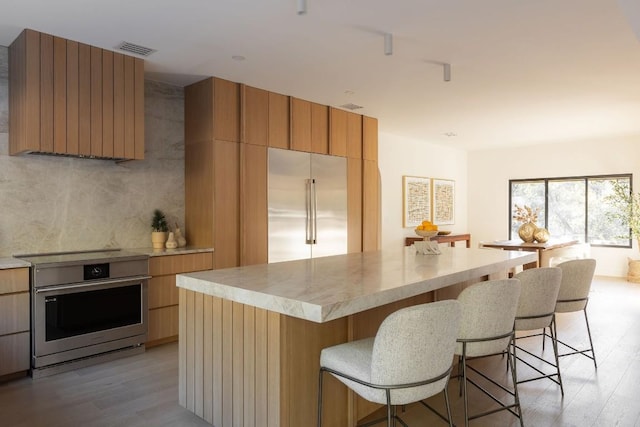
143	391
135	391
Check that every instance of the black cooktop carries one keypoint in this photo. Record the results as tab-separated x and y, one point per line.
81	257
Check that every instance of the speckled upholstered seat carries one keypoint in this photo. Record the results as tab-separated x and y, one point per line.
407	361
487	329
536	306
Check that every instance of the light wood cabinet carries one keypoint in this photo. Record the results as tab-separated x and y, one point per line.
309	126
14	321
70	98
163	294
226	183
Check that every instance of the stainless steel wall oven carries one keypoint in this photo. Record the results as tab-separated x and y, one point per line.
86	307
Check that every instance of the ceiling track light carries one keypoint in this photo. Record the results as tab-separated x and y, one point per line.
447	72
388	44
302	7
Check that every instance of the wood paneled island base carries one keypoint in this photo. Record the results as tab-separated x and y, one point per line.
250	337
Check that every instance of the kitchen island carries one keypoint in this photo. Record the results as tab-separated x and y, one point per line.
250	337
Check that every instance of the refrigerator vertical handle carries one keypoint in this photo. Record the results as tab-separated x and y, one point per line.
314	217
309	219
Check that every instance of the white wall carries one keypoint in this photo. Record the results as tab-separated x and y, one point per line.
490	171
399	156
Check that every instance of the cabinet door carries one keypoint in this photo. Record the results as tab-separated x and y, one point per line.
72	97
14	280
278	120
354	136
255	116
300	125
46	93
14	313
369	138
226	202
254	234
226	110
338	136
370	206
354	206
14	353
319	128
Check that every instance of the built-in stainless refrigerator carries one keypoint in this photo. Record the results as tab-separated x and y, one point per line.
307	205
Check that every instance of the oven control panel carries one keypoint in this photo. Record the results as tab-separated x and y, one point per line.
96	271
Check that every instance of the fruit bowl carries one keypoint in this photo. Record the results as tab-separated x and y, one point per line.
426	233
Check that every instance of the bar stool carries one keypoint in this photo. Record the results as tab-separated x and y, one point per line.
536	306
407	361
487	329
573	296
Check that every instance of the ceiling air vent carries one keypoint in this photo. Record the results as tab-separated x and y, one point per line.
135	49
351	106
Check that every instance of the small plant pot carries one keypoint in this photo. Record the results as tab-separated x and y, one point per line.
158	238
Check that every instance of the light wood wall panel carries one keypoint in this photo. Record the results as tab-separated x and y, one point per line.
72	97
59	95
198	112
138	100
84	99
107	103
96	102
129	108
118	106
46	93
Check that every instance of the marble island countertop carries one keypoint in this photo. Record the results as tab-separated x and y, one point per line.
328	288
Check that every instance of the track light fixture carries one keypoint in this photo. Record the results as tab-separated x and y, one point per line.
388	44
447	72
302	7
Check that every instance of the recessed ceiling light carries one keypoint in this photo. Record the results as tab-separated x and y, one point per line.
450	134
349	92
238	57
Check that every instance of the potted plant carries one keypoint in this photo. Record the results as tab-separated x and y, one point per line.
626	210
159	229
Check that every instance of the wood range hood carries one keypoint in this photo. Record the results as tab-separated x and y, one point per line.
72	99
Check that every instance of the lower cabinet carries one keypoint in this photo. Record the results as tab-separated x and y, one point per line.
163	293
14	321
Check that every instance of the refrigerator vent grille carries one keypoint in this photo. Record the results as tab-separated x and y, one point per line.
135	48
351	106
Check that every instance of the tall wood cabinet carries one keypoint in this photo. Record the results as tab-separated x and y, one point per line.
163	293
67	97
14	321
226	172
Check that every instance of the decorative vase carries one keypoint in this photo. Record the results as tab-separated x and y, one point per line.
171	242
182	242
158	238
541	235
526	231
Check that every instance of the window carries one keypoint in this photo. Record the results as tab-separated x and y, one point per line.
572	207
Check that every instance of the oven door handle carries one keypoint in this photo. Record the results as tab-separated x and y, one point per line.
91	285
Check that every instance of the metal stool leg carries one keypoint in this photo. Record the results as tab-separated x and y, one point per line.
593	353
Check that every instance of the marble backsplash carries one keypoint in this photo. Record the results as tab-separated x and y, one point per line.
50	204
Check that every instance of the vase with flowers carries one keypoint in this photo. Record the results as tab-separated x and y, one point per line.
529	231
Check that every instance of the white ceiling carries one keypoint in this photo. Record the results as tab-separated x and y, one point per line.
523	72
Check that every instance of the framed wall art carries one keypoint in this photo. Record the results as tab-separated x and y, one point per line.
444	196
416	200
